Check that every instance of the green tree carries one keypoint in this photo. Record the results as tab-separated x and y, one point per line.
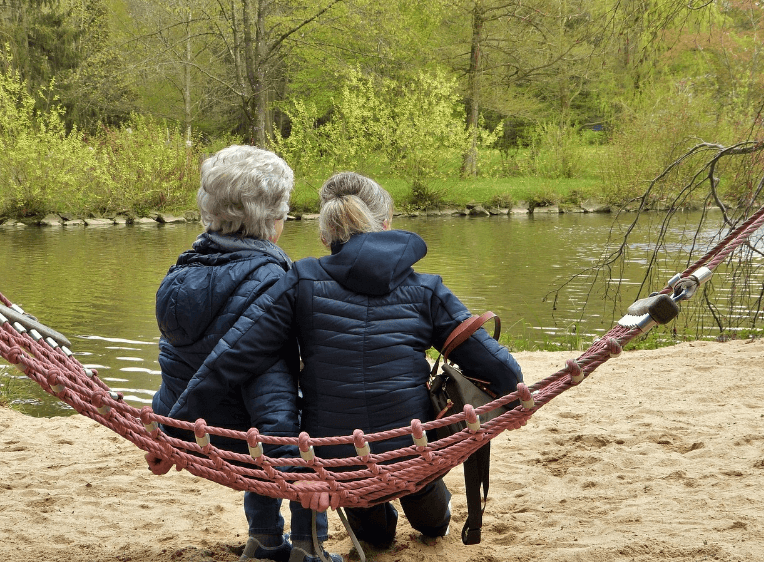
66	41
414	129
238	52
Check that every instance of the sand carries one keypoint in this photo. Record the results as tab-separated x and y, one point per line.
659	455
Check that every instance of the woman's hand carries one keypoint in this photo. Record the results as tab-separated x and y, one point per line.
317	501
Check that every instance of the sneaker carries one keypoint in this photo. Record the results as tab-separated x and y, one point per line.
255	551
299	555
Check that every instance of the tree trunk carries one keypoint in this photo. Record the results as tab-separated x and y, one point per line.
250	64
187	81
469	162
263	135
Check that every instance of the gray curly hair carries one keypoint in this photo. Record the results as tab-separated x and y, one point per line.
244	190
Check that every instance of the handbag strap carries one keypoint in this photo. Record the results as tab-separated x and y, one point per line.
463	331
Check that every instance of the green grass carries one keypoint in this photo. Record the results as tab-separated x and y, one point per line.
459	192
10	391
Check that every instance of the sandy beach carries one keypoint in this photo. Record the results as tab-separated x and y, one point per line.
659	455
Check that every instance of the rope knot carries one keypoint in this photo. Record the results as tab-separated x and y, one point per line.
200	432
254	444
151	426
613	347
526	398
575	371
473	422
361	446
418	434
15	354
99	401
306	449
54	380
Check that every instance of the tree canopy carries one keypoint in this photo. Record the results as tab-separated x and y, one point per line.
543	77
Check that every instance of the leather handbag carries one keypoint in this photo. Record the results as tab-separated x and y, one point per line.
450	390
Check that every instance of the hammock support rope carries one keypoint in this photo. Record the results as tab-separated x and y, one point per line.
360	481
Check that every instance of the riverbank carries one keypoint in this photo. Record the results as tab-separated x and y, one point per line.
157	217
658	454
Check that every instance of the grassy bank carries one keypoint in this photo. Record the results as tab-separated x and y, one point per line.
441	193
457	192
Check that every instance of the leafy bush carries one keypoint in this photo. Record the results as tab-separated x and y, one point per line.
149	165
44	169
663	124
414	130
42	166
557	151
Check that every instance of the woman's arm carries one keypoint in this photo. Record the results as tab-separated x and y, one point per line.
252	346
480	356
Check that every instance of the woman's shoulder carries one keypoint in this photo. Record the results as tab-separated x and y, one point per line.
307	267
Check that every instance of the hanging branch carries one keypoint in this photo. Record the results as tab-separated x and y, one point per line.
714	185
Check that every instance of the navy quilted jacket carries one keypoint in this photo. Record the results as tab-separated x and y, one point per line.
364	319
197	303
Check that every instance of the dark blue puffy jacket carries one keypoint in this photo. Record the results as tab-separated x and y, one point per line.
364	319
197	303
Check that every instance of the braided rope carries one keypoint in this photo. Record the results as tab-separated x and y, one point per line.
361	481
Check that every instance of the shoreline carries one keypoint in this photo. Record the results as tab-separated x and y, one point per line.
470	210
59	220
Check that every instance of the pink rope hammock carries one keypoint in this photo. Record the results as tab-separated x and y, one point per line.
362	480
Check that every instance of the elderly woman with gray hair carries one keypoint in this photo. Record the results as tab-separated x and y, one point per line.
364	320
243	201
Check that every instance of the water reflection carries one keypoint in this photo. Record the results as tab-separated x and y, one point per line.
97	286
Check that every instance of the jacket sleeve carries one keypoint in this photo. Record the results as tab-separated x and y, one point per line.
480	356
253	345
271	401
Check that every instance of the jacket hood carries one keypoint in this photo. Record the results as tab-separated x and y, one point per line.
374	263
211	248
208	280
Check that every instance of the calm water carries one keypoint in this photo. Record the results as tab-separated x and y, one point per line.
96	285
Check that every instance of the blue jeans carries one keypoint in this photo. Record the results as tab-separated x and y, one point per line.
264	518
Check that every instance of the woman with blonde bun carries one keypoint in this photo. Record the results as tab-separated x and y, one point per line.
364	320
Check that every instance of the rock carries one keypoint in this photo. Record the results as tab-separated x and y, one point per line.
548	209
192	216
170	219
51	220
478	211
99	222
595	206
571	208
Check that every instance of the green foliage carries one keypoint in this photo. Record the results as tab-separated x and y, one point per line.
150	166
45	169
414	130
662	125
38	155
556	151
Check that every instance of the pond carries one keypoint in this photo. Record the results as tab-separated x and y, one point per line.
96	285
